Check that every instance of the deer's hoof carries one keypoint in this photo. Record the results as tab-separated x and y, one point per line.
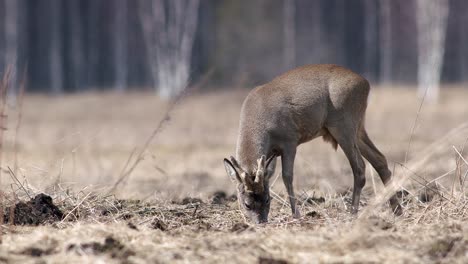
296	215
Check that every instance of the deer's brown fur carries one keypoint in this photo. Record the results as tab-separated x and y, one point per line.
327	101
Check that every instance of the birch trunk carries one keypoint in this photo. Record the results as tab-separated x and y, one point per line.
169	28
11	44
432	25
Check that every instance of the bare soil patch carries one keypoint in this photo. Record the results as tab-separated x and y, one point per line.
178	205
111	246
37	211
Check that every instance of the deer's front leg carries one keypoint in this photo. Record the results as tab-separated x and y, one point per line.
287	162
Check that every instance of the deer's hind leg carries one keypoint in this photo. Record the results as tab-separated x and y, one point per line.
379	162
345	134
287	163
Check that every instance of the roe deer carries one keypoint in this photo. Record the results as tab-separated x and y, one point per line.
307	102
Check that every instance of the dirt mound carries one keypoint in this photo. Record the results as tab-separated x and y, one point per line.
191	200
240	227
39	210
315	200
263	260
110	246
37	252
220	197
442	247
159	224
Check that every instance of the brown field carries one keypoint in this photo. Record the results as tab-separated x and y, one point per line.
175	206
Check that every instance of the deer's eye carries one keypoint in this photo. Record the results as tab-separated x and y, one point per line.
248	206
267	201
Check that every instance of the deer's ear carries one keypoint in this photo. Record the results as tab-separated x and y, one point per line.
231	171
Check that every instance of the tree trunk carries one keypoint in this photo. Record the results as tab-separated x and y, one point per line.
11	44
120	45
463	49
317	34
386	53
169	28
76	44
310	34
432	25
92	42
289	38
370	38
56	51
339	40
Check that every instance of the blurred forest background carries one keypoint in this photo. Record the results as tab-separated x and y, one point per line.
82	45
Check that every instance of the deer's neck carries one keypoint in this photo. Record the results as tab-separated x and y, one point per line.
249	149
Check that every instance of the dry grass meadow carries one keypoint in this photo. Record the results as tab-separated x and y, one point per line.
173	203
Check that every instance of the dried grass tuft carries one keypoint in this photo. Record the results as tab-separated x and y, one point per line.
179	208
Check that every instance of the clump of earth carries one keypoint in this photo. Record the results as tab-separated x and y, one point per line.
37	211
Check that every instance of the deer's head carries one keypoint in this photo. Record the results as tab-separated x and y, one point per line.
253	189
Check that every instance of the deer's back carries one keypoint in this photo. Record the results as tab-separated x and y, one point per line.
299	103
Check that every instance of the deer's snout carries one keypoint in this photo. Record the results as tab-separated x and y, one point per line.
259	218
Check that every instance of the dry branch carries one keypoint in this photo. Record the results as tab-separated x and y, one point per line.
20	117
3	93
139	157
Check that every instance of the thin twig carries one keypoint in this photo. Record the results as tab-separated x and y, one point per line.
20	117
425	184
459	166
460	155
122	172
3	92
423	214
12	208
13	175
373	182
414	124
440	177
159	127
424	154
278	198
76	207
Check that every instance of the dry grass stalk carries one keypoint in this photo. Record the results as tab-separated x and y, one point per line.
439	145
12	209
425	183
414	125
458	169
22	88
75	208
3	92
384	195
15	179
460	156
158	128
139	157
430	232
